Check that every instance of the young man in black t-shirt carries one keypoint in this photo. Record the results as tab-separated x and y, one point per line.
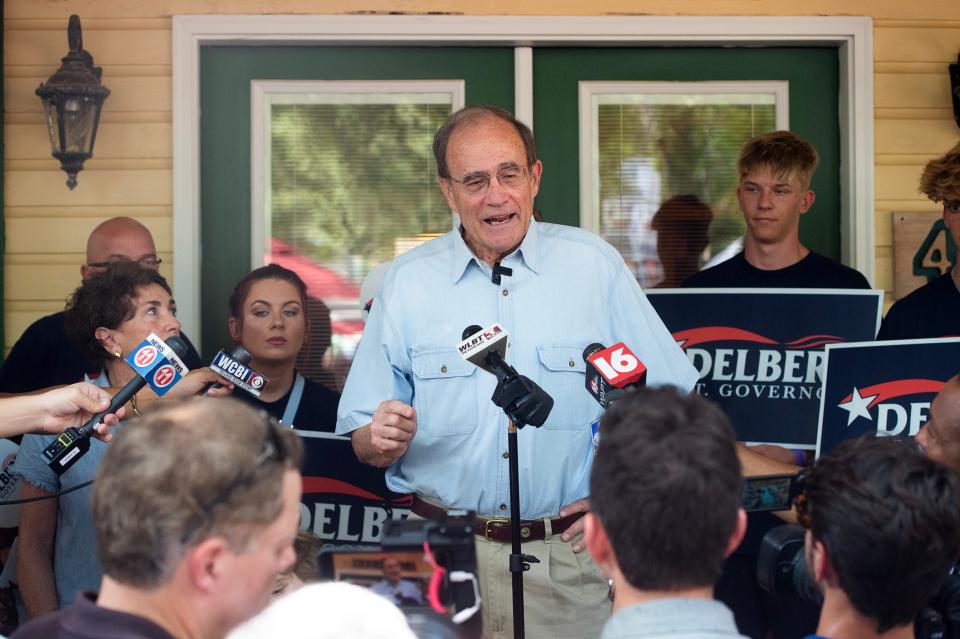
933	310
775	172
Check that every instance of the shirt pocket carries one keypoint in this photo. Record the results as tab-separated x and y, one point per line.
445	393
562	375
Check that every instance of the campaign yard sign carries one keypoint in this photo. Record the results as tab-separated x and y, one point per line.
882	387
760	353
344	501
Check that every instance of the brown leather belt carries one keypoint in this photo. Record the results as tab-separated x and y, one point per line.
498	529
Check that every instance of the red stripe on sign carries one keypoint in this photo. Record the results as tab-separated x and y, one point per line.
336	487
897	388
706	334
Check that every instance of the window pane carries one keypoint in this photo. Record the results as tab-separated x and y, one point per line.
353	184
674	153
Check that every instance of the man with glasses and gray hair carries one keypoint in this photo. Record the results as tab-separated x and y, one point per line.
196	507
43	356
413	405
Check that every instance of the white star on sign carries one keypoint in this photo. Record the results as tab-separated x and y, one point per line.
857	406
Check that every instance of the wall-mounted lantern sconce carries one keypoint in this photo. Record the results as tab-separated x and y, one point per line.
72	98
955	89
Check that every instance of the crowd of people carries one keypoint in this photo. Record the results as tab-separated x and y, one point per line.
191	522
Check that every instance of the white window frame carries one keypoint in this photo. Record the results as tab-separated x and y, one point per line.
853	37
589	151
265	93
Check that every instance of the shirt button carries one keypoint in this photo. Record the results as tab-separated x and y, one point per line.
503	506
570	363
505	292
443	369
506	455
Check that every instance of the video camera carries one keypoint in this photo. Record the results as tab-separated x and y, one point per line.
438	562
782	571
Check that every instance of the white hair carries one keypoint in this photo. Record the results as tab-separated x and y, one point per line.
329	610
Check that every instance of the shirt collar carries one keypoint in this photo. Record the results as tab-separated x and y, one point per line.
528	252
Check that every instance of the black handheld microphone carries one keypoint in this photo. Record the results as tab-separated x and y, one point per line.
612	372
235	368
72	443
239	354
523	401
487	349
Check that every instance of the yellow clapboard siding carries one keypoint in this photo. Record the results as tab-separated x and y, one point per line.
883	276
116	70
126	94
99	13
904	44
48	188
911	90
34	237
108	47
897	182
40	281
929	137
97	163
93	212
883	228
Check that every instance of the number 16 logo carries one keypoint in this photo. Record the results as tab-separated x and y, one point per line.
616	362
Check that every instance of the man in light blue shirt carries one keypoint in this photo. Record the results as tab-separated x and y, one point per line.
666	492
399	591
412	404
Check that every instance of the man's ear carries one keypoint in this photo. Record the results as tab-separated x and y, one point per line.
739	530
536	171
206	562
822	568
809	197
596	540
446	186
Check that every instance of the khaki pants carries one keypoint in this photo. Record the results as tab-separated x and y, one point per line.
564	596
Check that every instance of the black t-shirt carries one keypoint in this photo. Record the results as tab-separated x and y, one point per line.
86	620
43	356
317	410
813	271
933	310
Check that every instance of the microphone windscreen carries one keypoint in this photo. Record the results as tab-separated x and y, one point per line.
590	350
178	345
470	331
241	355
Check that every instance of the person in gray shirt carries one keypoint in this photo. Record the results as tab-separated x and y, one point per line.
665	492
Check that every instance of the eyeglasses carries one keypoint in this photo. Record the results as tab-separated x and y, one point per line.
273	450
476	183
952	206
153	262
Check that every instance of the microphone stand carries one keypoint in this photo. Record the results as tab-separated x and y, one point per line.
519	562
510	394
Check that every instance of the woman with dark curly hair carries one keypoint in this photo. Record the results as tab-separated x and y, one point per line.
107	317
